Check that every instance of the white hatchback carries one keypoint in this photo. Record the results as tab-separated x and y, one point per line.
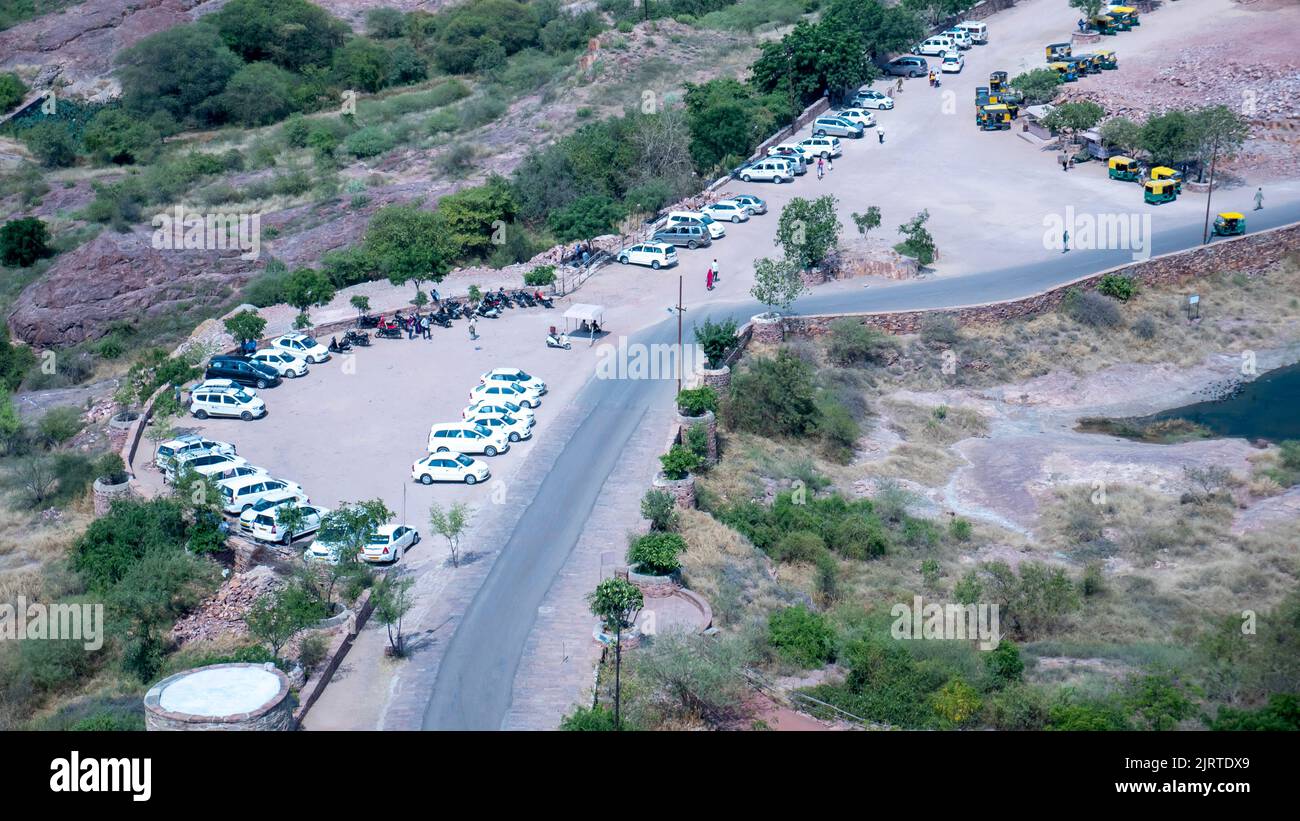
727	211
655	254
449	467
514	376
284	362
389	542
302	345
952	63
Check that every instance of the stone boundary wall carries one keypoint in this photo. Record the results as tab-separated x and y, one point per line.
1251	254
338	650
135	432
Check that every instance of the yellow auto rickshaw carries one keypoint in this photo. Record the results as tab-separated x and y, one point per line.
1103	24
1107	59
993	117
1164	172
1083	64
1056	51
1124	168
1155	192
1126	16
1229	224
997	81
1066	70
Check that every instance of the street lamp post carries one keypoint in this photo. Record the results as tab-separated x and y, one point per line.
679	309
1209	194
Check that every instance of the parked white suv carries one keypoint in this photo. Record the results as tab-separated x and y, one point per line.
240	493
726	211
286	363
449	467
204	463
467	437
302	345
226	402
173	448
655	254
262	520
772	169
822	146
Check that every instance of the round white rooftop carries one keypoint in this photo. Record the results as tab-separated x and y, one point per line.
220	691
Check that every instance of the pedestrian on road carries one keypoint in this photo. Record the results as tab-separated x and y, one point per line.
1063	163
898	89
473	327
1259	198
424	327
931	79
708	280
821	167
880	132
717	272
1065	242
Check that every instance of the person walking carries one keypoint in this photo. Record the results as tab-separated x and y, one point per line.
821	167
708	280
473	327
1065	241
424	327
880	132
898	89
717	271
1259	199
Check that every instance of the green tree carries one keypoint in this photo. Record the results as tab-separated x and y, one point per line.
658	506
361	303
408	244
1122	133
879	30
586	217
808	230
293	34
917	240
801	637
245	325
867	221
348	527
23	241
616	603
475	217
276	618
114	136
957	703
362	64
12	91
307	288
716	339
11	426
1039	85
1004	665
259	94
1216	130
1169	138
812	61
450	524
722	120
1087	8
1075	117
656	553
51	143
393	600
179	71
777	284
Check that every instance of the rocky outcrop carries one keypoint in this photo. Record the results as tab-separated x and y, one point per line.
120	276
223	614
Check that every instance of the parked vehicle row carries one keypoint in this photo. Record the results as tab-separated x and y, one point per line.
691	229
232	381
499	413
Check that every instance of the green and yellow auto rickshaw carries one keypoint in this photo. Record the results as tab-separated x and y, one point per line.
1164	172
1229	224
1066	70
1124	168
1155	192
1107	59
997	81
1103	24
993	117
1083	65
1055	51
1125	17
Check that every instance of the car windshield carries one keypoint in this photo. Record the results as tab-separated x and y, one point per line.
463	460
243	397
263	504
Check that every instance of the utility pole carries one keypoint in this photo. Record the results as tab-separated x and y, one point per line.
1209	194
680	310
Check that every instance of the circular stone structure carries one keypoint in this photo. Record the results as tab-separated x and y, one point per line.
221	697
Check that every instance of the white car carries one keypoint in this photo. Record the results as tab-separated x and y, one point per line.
858	115
716	231
772	169
498	408
752	204
935	46
302	345
952	63
467	437
514	393
285	363
513	376
205	463
389	542
262	520
803	150
726	211
515	429
959	36
224	383
181	445
655	254
870	98
822	146
449	467
242	492
226	402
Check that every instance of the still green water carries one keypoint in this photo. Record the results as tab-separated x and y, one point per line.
1266	408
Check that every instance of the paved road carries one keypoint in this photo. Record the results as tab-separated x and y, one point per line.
476	676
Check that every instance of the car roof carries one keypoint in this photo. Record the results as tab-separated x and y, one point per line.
387	530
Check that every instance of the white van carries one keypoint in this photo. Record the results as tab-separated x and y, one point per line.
242	492
959	36
467	437
979	33
716	231
936	46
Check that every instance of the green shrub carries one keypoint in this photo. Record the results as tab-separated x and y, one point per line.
801	637
959	530
593	719
939	330
1117	286
660	508
368	142
678	462
697	401
860	537
540	277
12	91
799	546
697	442
852	343
773	396
1003	664
656	553
23	241
1144	327
1091	308
58	425
716	339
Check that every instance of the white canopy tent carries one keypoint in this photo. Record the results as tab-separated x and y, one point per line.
591	316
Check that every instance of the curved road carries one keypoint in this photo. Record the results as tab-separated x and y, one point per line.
476	676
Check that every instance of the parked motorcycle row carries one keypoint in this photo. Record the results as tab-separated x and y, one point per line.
491	306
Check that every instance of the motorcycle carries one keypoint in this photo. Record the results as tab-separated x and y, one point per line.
358	338
544	300
556	340
454	309
339	347
389	330
368	321
487	311
440	318
525	299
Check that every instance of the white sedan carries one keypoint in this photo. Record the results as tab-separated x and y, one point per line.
302	345
523	379
514	429
858	115
870	98
727	211
285	363
498	408
804	151
449	467
389	542
508	391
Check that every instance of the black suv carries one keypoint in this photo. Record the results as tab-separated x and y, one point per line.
241	370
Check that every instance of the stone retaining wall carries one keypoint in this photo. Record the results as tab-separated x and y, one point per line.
1250	254
338	650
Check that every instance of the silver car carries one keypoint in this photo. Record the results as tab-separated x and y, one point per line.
836	127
